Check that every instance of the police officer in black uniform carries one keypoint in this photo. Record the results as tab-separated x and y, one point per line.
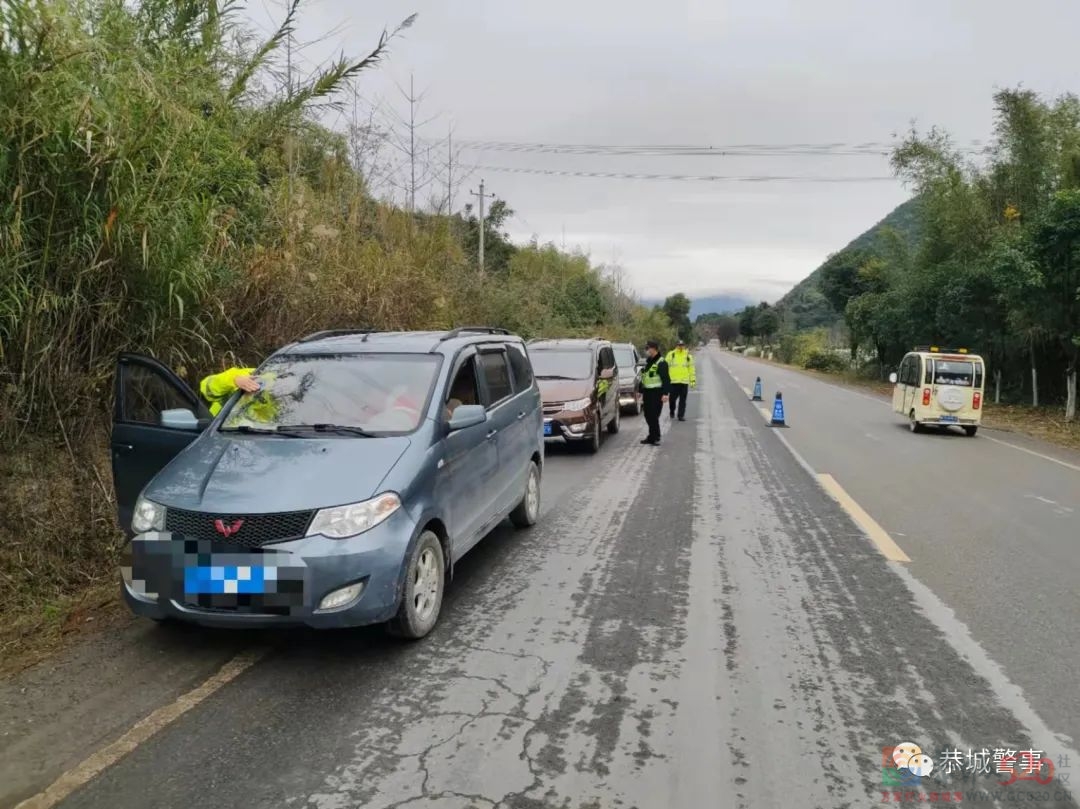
655	386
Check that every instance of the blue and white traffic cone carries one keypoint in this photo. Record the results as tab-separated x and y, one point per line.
757	391
778	412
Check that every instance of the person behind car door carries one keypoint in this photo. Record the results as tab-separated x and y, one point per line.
654	386
680	364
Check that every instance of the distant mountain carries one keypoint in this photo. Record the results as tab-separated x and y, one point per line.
718	304
805	301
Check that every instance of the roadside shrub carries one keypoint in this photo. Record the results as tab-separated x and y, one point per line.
826	361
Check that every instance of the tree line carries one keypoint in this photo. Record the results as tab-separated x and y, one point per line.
163	190
995	267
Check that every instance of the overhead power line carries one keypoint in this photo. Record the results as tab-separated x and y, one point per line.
866	148
711	178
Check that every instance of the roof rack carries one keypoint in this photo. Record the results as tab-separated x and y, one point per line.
322	335
937	350
458	331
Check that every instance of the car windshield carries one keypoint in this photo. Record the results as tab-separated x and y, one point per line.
951	372
561	363
624	358
348	395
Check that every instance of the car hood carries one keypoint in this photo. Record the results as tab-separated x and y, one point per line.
564	390
257	474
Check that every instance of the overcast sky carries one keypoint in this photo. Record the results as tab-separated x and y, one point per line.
697	72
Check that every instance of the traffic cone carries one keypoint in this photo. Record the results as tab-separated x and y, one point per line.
778	412
757	391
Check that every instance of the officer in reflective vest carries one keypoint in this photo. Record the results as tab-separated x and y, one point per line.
218	388
683	377
655	384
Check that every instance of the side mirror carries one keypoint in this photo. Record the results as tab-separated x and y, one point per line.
607	373
641	362
467	416
181	419
893	377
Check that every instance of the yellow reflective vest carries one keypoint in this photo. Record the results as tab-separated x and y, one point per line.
259	407
681	367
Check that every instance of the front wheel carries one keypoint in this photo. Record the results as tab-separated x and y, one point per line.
594	443
613	425
527	512
425	579
637	404
970	431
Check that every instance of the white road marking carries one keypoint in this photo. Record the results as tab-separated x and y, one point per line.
141	731
1058	461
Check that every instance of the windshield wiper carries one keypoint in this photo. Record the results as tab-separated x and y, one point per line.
287	432
335	429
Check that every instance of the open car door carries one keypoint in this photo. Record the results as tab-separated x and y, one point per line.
141	445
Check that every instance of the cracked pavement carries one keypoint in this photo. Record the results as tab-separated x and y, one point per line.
694	625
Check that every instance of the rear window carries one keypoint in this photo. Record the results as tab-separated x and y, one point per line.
954	372
624	357
379	393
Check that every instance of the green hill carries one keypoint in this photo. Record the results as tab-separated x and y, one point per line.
805	303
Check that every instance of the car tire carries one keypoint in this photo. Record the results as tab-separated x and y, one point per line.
637	404
527	512
594	442
613	425
970	431
915	426
421	597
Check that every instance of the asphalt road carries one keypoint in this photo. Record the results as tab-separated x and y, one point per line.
694	625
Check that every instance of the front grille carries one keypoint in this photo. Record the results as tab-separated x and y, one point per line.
246	530
551	408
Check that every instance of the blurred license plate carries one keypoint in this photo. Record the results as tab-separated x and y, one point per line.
227	579
949	419
547	428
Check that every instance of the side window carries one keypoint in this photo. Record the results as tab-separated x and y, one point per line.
147	394
496	376
929	378
907	371
608	357
519	364
463	389
978	375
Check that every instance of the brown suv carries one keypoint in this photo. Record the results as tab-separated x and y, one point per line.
579	383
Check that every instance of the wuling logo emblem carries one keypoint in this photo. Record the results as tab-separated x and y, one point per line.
227	530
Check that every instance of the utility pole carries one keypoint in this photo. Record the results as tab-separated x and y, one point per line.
450	172
481	195
412	145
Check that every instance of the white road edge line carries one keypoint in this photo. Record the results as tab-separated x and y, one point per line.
1050	458
957	634
142	730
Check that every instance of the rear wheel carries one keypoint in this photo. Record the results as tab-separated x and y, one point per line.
425	579
613	425
527	511
916	426
970	431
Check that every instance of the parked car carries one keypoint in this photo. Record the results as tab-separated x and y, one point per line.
630	363
579	385
381	460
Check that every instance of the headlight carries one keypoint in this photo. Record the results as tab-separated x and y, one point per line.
577	404
347	521
148	516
